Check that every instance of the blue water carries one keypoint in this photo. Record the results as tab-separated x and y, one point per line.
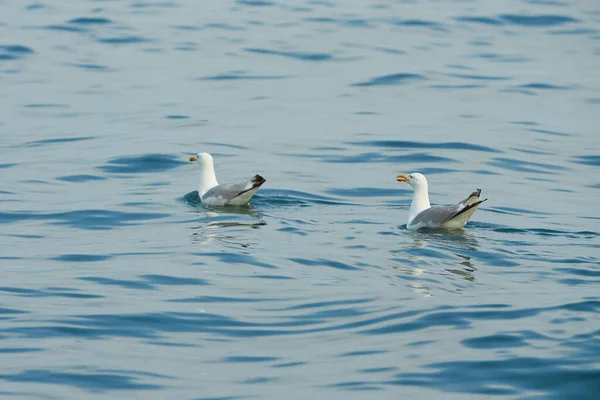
115	281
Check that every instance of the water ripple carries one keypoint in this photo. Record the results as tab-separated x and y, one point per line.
418	23
507	377
124	40
90	21
149	325
240	76
89	381
592	160
83	219
147	163
350	22
479	20
232	258
548	132
404	144
14	52
542	86
381	158
49	292
255	3
92	67
81	257
80	178
520	20
393	79
537	20
480	77
295	55
65	28
56	141
512	164
369	192
324	262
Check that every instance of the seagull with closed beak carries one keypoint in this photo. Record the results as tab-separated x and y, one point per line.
231	194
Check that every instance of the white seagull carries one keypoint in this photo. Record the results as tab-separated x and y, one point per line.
231	194
422	215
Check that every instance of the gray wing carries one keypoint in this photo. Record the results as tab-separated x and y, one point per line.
227	191
436	216
230	191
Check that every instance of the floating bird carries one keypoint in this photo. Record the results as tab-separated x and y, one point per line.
422	215
231	194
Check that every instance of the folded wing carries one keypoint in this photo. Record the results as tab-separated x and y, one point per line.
233	193
455	216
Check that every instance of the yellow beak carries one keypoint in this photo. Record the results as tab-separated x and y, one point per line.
402	178
192	158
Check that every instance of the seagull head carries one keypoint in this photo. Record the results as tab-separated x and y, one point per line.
204	159
416	180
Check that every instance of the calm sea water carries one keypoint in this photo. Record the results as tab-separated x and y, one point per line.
115	282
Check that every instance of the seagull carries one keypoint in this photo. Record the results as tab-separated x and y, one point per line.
231	194
422	215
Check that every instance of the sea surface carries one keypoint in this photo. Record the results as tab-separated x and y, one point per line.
117	283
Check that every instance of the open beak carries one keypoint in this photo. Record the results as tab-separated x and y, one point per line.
192	158
402	178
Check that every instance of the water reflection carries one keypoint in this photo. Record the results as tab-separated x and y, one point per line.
459	241
467	271
226	225
431	260
456	239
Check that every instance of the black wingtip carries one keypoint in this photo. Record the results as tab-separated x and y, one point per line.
257	180
467	208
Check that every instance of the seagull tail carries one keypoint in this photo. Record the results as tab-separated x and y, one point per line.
468	208
258	180
473	198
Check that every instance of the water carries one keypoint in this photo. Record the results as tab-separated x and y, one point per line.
115	282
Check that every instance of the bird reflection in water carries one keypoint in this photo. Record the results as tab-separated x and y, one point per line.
421	259
227	225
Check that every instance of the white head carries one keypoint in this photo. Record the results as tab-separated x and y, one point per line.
416	180
208	179
420	200
204	159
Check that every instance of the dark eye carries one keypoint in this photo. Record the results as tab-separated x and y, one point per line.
410	176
